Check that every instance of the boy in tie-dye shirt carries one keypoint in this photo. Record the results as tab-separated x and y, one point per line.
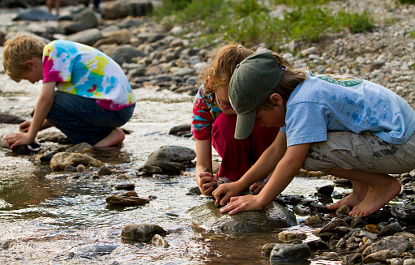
85	93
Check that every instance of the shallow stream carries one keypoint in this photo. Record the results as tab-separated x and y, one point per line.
49	221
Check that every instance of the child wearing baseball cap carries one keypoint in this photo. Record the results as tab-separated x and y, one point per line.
213	125
346	127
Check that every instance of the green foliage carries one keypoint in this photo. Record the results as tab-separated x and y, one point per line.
407	2
412	34
249	22
357	23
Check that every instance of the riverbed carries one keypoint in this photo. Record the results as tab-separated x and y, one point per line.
54	222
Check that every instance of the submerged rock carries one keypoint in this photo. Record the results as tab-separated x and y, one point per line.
90	251
274	216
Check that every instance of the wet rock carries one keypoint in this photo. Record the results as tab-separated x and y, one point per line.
181	130
316	245
159	241
104	171
60	160
129	198
331	227
141	232
91	251
170	159
314	221
404	212
24	150
47	157
289	253
10	119
274	216
287	236
379	256
70	168
80	148
390	229
126	186
396	244
354	258
326	190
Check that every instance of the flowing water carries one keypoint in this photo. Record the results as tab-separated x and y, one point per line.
54	222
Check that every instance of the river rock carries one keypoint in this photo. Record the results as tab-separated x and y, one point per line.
141	232
396	244
10	119
60	160
91	251
170	159
35	15
289	253
82	21
114	200
123	53
88	36
273	216
122	9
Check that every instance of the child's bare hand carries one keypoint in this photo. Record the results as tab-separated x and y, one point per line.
224	192
207	182
241	203
18	139
24	126
257	187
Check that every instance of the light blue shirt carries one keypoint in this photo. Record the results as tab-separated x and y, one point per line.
325	103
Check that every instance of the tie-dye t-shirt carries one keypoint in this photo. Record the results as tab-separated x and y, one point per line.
205	111
85	71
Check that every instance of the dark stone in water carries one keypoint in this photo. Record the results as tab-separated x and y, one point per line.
26	149
10	119
126	186
48	156
180	130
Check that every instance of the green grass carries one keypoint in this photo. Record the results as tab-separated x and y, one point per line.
249	22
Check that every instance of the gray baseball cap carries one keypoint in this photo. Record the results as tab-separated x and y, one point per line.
252	82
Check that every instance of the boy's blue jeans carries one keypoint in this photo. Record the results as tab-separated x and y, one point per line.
82	120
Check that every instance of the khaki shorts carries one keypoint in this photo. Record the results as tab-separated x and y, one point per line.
365	152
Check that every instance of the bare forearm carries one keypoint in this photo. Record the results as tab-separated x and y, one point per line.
42	108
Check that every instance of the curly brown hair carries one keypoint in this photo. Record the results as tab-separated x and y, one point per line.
222	66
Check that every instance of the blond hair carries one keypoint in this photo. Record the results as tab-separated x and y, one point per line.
223	65
17	51
291	78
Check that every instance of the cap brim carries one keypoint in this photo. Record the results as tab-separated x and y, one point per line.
244	125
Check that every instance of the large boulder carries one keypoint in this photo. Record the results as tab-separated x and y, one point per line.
124	8
273	216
